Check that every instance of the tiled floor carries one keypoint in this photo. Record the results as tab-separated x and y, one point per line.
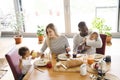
32	43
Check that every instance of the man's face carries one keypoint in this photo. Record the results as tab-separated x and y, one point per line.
83	31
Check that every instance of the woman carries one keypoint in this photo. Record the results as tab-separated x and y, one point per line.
84	32
57	43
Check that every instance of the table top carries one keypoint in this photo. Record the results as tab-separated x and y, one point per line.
50	74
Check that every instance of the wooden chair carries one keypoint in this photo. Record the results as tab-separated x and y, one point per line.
102	49
13	61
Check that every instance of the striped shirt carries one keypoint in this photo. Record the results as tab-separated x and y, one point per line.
57	45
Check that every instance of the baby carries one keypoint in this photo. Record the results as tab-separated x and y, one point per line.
93	36
83	47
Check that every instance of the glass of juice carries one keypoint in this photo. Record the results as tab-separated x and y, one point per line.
34	54
90	59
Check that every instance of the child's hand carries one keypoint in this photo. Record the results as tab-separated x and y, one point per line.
33	57
42	55
31	52
38	54
34	54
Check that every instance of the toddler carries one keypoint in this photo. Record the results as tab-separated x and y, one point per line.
25	60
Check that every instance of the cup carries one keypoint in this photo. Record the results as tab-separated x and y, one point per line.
85	58
102	66
34	54
90	59
83	69
107	59
74	55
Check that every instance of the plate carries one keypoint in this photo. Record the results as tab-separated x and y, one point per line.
62	56
98	56
96	60
41	62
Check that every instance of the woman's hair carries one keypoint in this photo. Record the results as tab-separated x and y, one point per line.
22	51
51	26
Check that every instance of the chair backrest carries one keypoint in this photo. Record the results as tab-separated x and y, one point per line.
13	61
102	49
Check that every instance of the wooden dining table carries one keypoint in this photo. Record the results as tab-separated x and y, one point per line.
49	74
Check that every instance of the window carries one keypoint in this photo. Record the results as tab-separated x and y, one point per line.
43	12
6	10
87	10
109	13
65	14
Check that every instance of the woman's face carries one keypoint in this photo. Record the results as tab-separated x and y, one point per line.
51	33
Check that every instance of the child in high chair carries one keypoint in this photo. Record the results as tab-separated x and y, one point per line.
25	61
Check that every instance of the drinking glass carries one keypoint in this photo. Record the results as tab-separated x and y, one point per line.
74	54
34	54
90	59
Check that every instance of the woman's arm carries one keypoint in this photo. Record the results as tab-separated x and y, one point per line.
41	53
76	41
43	47
67	46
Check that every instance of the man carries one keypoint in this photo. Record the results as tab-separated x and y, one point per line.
84	32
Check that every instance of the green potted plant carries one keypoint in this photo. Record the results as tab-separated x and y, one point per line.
17	26
40	33
99	24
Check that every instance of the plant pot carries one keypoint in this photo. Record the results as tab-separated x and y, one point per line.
18	39
40	39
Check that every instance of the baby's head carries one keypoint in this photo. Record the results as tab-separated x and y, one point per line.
24	52
94	36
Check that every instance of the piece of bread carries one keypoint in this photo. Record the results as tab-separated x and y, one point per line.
73	63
